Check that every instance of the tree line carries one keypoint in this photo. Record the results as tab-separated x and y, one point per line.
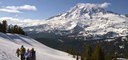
92	53
15	29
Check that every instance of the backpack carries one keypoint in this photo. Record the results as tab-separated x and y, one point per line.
22	50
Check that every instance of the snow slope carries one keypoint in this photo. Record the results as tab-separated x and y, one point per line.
10	42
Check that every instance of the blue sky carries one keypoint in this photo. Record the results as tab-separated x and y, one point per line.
43	9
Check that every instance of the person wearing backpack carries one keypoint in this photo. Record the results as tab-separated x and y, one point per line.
22	52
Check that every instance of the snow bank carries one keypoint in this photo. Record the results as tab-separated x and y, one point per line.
10	42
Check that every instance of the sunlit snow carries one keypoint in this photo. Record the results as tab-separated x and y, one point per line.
10	42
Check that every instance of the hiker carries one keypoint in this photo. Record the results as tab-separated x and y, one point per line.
17	52
22	52
28	55
33	54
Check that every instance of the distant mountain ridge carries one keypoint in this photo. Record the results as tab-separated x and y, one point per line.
84	20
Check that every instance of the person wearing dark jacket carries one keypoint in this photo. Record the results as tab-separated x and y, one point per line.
18	52
33	54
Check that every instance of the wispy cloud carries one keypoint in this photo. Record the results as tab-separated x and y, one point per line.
22	22
18	9
104	5
10	10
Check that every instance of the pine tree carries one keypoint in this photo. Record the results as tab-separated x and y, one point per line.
21	31
77	57
10	29
98	53
15	29
87	53
109	56
0	27
4	26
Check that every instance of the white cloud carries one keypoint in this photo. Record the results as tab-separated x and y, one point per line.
93	5
18	9
28	7
22	22
104	5
24	7
10	10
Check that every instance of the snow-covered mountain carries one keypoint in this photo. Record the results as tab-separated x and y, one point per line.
84	20
10	42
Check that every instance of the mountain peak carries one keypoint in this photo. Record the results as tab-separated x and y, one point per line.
86	10
82	10
89	7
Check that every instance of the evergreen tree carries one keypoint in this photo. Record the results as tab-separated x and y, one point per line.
77	57
87	53
109	56
21	31
4	26
15	29
0	27
10	29
114	56
98	53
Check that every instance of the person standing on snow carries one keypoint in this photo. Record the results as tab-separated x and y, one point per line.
28	55
22	52
18	52
33	54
